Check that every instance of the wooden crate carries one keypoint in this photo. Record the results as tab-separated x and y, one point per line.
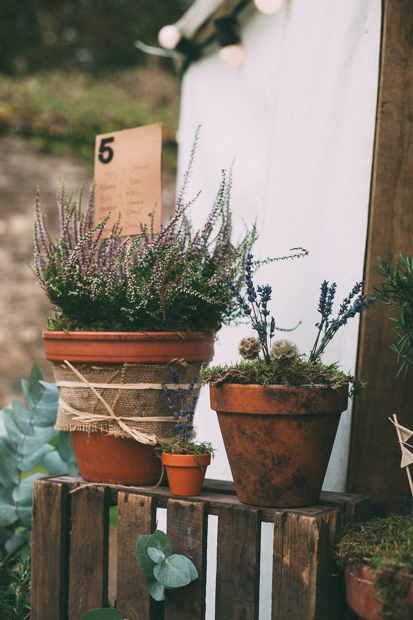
70	551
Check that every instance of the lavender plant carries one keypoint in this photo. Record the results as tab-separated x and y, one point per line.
181	403
348	310
171	279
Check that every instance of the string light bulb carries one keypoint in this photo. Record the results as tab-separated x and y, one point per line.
169	37
232	55
268	6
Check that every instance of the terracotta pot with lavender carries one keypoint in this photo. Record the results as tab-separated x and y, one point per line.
278	412
124	310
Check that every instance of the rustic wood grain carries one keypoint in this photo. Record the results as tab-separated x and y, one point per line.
136	516
238	564
50	551
187	531
89	550
303	587
374	467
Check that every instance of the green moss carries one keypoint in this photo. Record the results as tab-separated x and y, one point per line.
300	372
385	546
177	446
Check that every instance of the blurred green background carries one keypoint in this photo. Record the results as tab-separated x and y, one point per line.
69	70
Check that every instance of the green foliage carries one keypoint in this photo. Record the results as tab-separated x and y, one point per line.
14	588
397	291
258	372
25	445
63	111
385	546
177	446
163	569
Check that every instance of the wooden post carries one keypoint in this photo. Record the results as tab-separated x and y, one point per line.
50	551
374	467
136	516
89	550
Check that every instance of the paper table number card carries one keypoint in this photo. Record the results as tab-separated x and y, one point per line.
128	177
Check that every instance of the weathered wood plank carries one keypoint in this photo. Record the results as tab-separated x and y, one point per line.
238	564
303	587
50	551
374	467
89	550
136	516
187	531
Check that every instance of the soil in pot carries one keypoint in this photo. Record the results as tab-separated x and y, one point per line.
278	439
186	472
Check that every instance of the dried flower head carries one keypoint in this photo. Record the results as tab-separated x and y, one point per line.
284	352
249	348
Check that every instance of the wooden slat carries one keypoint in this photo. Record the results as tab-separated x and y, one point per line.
238	564
187	531
302	568
50	551
374	467
136	516
89	550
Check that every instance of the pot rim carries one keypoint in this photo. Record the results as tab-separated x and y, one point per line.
278	386
187	460
102	335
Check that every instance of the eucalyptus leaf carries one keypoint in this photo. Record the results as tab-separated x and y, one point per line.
9	473
160	541
8	512
46	409
40	437
54	464
16	542
73	468
25	515
157	556
32	390
12	429
156	589
30	461
63	446
144	561
173	573
23	493
5	534
22	417
103	614
193	573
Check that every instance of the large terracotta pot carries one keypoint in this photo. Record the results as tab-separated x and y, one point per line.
186	472
278	439
102	457
361	594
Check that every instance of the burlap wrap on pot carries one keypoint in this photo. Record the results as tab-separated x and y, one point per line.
130	391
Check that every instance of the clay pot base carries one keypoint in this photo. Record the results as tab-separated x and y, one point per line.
115	460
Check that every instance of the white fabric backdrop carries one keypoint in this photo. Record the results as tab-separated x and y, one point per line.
299	120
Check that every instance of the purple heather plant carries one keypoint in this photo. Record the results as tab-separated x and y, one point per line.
165	280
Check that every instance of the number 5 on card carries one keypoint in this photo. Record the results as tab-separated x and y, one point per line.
128	166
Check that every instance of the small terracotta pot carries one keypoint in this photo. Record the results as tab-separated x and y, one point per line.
186	472
361	594
278	439
128	347
115	460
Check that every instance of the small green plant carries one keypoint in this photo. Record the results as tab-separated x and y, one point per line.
14	588
163	569
397	291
